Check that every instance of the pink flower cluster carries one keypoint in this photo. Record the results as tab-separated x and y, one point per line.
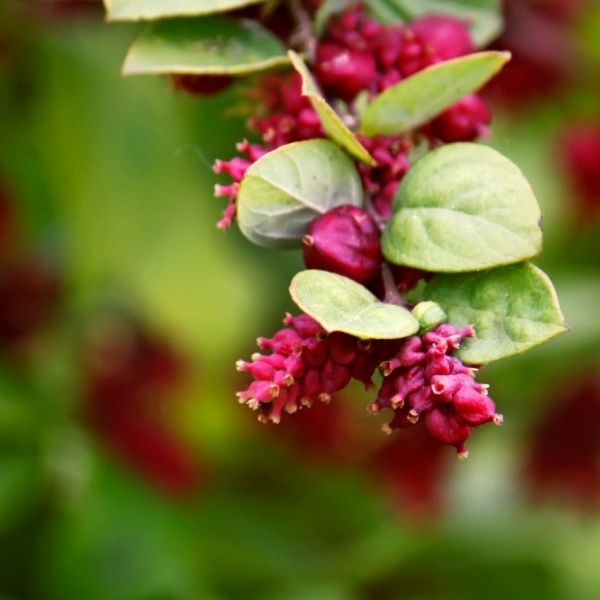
305	365
290	118
236	169
289	115
381	182
358	54
423	381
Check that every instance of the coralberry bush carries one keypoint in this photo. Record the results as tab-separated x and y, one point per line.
362	152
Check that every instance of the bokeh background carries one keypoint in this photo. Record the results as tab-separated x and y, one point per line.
127	469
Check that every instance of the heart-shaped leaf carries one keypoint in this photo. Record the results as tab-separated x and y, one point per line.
417	99
212	45
341	304
512	310
463	207
287	188
483	16
332	123
138	10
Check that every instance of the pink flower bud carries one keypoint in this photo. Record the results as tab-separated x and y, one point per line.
334	377
473	407
306	326
259	369
445	427
236	167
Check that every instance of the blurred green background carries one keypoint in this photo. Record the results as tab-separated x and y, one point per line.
127	469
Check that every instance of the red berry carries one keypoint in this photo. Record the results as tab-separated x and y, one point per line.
344	240
344	72
466	120
448	36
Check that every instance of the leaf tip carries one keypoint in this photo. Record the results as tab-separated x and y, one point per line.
296	61
126	69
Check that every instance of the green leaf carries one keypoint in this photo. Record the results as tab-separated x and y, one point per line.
387	12
137	10
213	45
463	207
417	99
512	309
484	16
340	304
287	188
332	123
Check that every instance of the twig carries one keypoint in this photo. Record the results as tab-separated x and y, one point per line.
304	35
392	294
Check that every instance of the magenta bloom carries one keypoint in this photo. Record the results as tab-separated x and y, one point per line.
424	381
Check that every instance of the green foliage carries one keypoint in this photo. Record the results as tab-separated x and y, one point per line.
212	45
416	100
463	207
512	310
340	304
127	200
332	123
137	10
288	187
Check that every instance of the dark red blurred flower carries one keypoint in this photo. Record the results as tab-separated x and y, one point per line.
201	85
29	283
579	153
6	222
130	380
29	291
563	459
412	467
60	10
327	432
544	56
